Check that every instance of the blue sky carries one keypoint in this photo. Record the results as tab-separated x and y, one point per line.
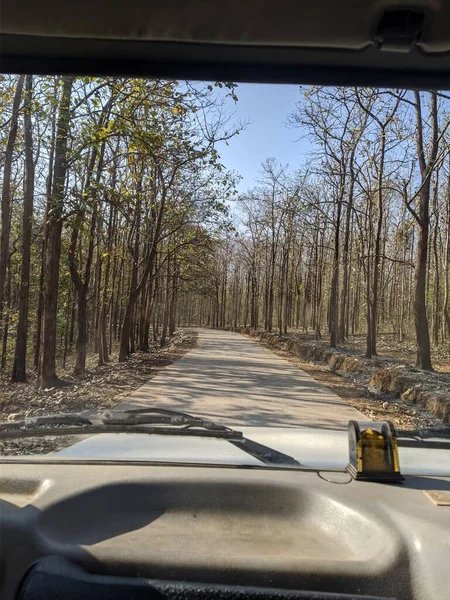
267	106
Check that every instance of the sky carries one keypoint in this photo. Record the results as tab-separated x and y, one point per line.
267	107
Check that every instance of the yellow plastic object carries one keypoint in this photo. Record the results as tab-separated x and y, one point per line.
373	451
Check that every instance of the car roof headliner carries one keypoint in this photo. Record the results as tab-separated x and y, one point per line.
320	41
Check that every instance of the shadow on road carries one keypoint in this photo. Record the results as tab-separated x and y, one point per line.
233	380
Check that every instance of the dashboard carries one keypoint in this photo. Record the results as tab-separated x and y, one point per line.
121	528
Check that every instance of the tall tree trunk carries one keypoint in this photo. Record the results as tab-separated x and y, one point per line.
6	192
127	325
437	281
173	301
48	188
446	309
367	272
377	257
47	357
334	290
345	251
19	368
166	304
103	356
426	166
67	327
6	319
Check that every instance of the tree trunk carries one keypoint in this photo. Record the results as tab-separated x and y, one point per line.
345	252
47	357
437	286
6	192
6	320
377	258
127	325
67	327
19	367
166	305
420	309
48	187
103	356
334	308
446	309
426	166
173	302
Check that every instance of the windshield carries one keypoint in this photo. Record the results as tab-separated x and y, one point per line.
266	259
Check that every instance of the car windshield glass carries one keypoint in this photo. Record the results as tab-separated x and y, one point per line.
244	267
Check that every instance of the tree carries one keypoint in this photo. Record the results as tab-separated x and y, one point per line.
6	190
343	240
383	117
19	372
47	355
126	230
446	261
426	163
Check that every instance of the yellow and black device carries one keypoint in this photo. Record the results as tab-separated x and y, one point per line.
373	452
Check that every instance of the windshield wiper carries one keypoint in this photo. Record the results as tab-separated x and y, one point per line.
424	438
158	421
137	420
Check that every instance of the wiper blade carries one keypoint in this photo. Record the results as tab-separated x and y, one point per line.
438	438
116	420
94	429
424	434
147	421
141	416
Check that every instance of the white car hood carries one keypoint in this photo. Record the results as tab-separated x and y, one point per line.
313	448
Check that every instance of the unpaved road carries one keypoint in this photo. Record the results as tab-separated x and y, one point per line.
234	380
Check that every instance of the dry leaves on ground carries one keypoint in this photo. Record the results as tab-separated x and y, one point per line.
100	387
377	407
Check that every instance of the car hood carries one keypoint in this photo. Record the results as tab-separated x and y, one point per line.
313	448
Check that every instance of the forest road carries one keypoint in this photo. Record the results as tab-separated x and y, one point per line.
233	380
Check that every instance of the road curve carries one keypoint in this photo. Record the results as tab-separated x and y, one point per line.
232	379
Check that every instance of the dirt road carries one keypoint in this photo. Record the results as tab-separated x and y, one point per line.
234	380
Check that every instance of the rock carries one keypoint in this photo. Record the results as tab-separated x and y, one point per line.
385	405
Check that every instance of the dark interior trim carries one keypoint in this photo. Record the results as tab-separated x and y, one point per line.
51	55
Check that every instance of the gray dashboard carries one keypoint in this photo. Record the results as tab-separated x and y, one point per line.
288	529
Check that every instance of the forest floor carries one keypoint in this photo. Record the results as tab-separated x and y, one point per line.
99	388
388	347
404	414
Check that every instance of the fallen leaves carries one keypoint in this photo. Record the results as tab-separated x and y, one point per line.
355	388
100	387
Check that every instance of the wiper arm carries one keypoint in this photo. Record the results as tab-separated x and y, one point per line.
438	438
114	420
424	434
141	416
140	420
94	429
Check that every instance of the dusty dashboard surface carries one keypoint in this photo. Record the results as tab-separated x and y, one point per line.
287	529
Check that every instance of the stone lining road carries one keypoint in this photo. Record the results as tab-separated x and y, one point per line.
232	379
